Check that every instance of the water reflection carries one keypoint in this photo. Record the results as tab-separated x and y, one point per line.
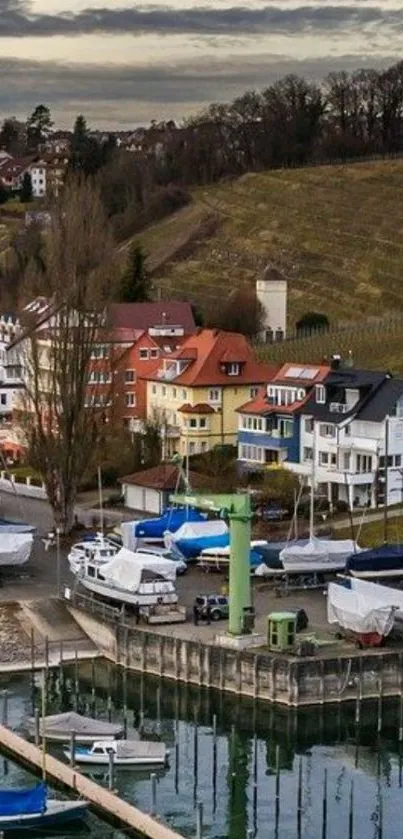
258	771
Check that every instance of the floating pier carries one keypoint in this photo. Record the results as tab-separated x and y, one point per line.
102	799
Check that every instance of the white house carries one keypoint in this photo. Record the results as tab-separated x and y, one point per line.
37	170
352	426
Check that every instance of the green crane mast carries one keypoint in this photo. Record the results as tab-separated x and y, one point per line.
237	508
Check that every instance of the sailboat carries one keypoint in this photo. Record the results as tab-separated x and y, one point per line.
31	809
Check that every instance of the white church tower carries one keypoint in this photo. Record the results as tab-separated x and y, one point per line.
271	291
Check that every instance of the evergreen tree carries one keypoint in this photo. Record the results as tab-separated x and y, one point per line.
9	136
26	189
135	286
79	143
39	126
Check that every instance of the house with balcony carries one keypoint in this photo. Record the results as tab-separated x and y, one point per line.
269	424
194	392
351	437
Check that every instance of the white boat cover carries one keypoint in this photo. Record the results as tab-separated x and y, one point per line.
319	553
357	612
125	569
63	724
197	530
15	548
383	595
225	551
141	750
128	537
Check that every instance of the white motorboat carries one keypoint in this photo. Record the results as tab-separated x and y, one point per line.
15	547
131	578
125	753
361	614
94	551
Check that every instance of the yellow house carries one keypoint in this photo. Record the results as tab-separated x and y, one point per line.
195	391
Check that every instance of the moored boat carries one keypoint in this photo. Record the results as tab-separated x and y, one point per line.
30	809
59	727
133	579
125	753
382	562
363	616
194	537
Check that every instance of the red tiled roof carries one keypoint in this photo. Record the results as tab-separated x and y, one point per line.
164	476
200	408
145	315
207	347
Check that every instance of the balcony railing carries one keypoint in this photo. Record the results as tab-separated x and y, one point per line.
338	408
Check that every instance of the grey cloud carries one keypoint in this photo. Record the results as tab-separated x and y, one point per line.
17	19
123	96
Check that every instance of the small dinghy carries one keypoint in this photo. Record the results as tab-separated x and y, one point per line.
30	809
125	753
59	727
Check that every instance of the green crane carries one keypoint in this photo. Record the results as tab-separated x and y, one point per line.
237	508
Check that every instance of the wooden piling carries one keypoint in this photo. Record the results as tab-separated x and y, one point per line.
37	734
199	820
46	658
72	748
5	707
153	778
111	769
214	762
255	781
277	795
76	679
195	752
93	696
379	720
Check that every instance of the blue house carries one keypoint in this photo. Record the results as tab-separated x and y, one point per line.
269	425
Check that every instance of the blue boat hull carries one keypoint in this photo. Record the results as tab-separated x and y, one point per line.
170	520
41	821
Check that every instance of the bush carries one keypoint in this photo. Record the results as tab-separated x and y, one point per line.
341	507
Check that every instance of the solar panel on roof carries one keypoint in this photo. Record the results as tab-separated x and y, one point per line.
309	372
294	372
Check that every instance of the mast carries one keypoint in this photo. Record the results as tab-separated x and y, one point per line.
386	484
101	508
313	473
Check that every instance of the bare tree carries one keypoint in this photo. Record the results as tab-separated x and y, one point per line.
66	406
240	312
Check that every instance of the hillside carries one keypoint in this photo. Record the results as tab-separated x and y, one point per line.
335	231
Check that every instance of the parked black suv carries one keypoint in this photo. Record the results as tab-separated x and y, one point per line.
211	607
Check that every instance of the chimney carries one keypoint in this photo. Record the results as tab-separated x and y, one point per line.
335	361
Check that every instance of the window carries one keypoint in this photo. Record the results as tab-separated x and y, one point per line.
3	399
163	391
154	390
285	427
323	458
214	395
398	460
184	394
202	422
203	447
346	461
233	369
309	425
333	460
382	461
270	456
326	430
308	453
253	392
390	461
192	448
364	463
174	393
192	423
347	430
130	375
154	353
143	354
130	400
105	378
99	351
320	394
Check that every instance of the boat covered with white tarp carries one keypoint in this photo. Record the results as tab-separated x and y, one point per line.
384	595
194	536
360	613
134	578
59	727
319	555
15	547
125	753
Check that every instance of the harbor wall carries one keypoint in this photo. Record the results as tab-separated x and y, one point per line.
262	675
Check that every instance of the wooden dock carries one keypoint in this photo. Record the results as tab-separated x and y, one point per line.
102	799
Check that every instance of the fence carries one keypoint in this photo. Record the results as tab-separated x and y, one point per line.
23	486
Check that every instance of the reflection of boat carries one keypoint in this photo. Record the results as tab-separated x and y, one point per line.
384	561
360	614
29	809
135	579
58	727
194	537
125	753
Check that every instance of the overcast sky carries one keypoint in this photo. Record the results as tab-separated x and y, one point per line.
123	63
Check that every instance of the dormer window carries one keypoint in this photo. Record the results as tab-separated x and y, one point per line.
320	394
232	369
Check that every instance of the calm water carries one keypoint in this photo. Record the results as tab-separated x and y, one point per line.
236	780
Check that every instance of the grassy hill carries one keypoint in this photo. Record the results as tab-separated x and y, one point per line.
335	231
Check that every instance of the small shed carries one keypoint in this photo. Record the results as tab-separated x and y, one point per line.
148	491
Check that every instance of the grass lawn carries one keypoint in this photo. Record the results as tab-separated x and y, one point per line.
372	534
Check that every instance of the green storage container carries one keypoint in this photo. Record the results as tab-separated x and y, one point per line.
281	630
